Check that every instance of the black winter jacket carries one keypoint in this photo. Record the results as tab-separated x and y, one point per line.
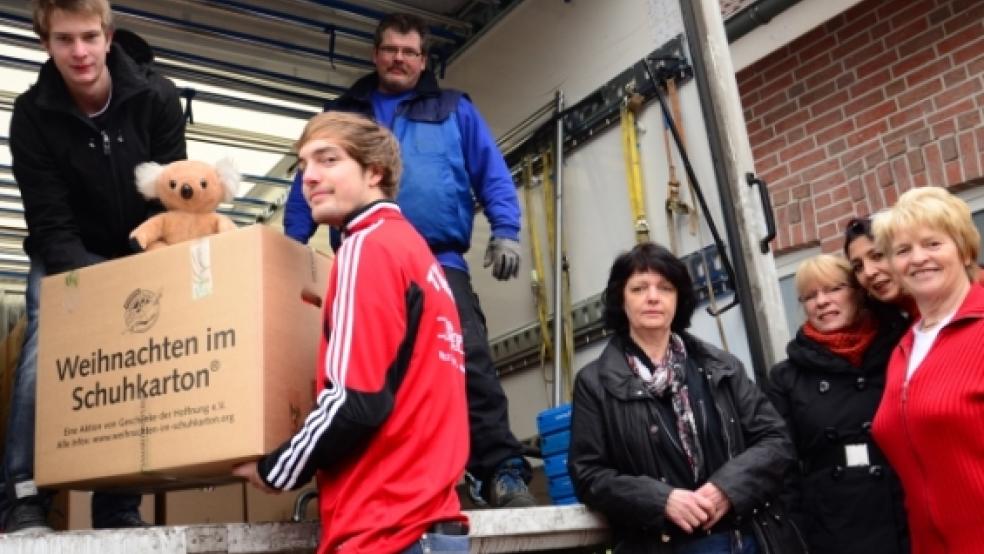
76	179
616	472
827	404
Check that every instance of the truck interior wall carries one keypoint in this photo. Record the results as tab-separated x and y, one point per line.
538	48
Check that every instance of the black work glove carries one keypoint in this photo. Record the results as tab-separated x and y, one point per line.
503	255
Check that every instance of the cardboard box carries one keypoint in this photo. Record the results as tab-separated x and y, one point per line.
166	369
234	503
239	502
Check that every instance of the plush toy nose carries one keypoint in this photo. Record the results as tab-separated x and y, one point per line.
186	191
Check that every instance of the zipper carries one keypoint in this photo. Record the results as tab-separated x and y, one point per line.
703	416
727	435
107	143
669	435
912	448
720	412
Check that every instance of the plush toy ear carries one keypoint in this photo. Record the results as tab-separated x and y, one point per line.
147	174
229	177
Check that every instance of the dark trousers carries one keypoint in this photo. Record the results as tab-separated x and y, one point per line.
18	462
488	420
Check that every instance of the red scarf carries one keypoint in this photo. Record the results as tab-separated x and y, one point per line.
850	342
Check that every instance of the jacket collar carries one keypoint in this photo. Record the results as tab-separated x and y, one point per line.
622	383
806	353
369	214
809	355
717	363
127	81
362	90
972	308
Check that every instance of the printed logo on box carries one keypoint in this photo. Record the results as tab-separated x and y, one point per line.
141	310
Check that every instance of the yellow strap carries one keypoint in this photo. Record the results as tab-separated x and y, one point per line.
568	367
537	275
633	172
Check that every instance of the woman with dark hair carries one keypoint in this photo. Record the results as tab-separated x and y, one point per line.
872	271
843	494
670	439
868	263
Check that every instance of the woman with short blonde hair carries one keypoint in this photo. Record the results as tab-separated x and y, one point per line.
844	495
936	209
930	422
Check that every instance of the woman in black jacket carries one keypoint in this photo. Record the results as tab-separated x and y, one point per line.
670	439
844	496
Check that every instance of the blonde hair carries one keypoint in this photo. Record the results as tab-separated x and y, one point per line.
42	9
823	269
937	209
368	143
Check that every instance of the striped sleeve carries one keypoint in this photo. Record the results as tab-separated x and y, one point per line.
365	336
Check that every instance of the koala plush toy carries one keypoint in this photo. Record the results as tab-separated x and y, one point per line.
191	191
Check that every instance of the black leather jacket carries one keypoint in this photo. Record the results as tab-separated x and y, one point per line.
616	472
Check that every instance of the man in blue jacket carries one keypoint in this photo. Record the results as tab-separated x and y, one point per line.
449	160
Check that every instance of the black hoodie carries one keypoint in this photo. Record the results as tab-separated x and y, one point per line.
76	174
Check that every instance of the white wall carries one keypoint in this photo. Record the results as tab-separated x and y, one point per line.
541	47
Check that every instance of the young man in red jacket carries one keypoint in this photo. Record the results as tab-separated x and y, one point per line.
388	436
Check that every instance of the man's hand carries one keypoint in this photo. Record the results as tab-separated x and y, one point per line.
722	505
688	510
503	255
250	472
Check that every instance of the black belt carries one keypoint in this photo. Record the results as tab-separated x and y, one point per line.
448	528
833	459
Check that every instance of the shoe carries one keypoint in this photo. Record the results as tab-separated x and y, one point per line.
27	517
474	487
508	487
129	519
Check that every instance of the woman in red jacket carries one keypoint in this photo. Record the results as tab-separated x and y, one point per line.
930	423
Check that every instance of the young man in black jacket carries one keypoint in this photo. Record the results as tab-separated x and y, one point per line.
75	138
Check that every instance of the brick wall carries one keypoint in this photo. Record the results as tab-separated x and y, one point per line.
886	96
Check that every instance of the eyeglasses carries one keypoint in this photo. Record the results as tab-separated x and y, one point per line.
408	53
827	291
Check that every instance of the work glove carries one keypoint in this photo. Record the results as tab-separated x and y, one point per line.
503	255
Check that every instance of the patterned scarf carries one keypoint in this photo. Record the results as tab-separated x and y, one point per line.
669	374
850	342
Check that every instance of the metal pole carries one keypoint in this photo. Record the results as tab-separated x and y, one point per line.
559	254
757	284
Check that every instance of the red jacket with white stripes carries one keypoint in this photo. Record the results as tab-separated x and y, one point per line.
388	436
932	431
